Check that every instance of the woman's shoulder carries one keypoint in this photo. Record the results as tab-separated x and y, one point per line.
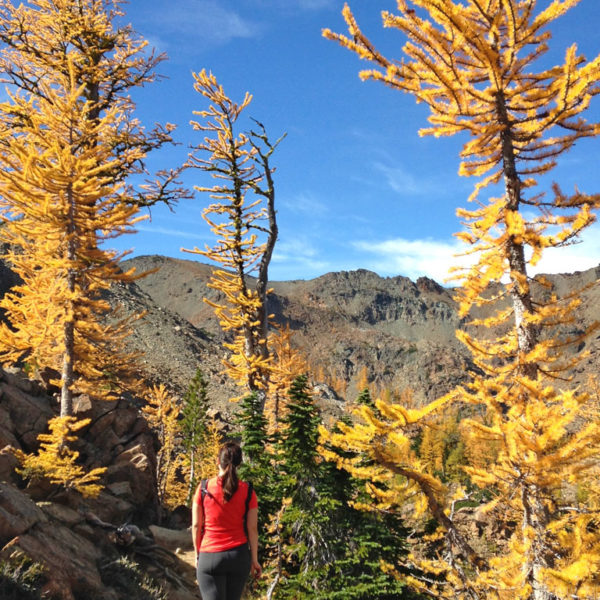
246	485
247	491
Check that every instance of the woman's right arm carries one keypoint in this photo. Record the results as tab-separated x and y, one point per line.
252	524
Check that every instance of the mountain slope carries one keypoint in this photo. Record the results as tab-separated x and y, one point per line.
403	332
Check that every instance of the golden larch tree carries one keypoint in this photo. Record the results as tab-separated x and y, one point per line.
472	64
57	461
56	207
68	143
162	414
243	219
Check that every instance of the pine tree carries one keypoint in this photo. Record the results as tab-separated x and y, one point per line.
194	426
259	465
320	544
471	64
304	539
244	222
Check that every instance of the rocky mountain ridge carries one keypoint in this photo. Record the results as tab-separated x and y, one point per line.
402	332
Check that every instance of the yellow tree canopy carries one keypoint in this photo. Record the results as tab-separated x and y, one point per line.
243	220
473	63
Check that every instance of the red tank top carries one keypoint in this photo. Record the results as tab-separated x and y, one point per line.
223	521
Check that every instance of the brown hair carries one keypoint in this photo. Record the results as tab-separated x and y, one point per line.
230	458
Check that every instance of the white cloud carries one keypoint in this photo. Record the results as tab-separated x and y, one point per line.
434	258
399	179
406	184
412	258
207	20
577	257
306	203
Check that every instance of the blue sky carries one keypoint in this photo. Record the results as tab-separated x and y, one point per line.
356	186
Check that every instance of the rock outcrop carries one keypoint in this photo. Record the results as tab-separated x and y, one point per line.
80	543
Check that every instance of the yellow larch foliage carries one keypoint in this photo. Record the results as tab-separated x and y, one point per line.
362	379
288	363
243	221
208	452
173	465
480	451
432	447
206	460
68	142
57	315
384	433
57	462
162	413
471	63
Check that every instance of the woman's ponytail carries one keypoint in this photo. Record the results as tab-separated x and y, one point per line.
230	457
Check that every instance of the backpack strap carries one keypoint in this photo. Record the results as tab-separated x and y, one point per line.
203	492
247	506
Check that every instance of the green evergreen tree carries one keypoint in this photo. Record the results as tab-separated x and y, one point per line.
252	427
365	398
314	542
365	539
194	425
257	466
304	538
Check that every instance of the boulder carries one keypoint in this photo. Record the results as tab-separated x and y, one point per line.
69	560
29	414
18	513
7	438
135	466
125	421
110	508
172	539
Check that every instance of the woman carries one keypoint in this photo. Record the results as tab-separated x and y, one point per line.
223	558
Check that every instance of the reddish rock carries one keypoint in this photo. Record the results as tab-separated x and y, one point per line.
125	420
7	438
69	559
29	414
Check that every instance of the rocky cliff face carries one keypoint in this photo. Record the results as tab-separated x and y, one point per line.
401	331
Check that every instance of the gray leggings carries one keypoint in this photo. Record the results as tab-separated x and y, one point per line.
223	575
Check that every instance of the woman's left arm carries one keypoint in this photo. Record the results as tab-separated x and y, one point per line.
252	522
